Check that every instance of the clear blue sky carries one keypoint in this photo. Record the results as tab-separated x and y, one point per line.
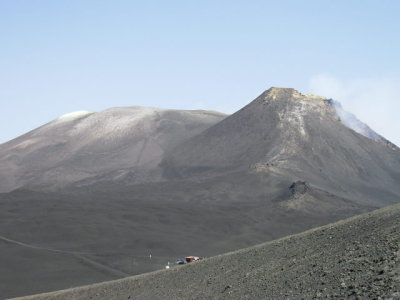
59	56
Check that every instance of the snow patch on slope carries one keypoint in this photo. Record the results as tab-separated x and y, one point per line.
74	115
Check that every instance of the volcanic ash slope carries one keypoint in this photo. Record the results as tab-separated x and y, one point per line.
358	258
91	147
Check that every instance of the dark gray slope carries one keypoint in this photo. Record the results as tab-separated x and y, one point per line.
91	147
358	258
18	278
118	227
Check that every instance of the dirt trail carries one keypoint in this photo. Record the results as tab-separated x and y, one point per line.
78	255
39	247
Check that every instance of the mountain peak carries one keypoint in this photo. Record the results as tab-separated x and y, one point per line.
292	106
286	100
274	93
285	93
280	91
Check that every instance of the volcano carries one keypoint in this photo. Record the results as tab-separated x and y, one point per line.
89	197
299	137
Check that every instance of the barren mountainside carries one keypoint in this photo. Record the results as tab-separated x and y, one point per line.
289	134
88	147
96	194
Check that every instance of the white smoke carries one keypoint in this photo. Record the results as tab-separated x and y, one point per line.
351	121
375	101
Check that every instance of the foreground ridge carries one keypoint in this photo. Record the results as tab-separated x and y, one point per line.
357	258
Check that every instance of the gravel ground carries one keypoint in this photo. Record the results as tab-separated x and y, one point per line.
358	258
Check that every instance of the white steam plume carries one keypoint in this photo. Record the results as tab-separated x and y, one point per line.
375	101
